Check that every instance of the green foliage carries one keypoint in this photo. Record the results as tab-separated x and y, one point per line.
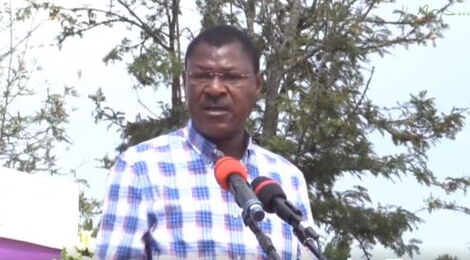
32	120
106	113
314	109
337	250
140	130
446	257
350	219
216	12
84	250
89	208
28	134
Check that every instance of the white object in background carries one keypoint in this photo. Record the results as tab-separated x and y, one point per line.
38	209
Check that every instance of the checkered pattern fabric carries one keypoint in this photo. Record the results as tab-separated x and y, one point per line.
165	187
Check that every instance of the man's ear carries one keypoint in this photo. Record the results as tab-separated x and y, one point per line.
185	89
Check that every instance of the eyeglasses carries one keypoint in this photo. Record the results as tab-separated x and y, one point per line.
229	78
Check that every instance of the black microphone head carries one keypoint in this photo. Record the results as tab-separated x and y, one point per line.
267	189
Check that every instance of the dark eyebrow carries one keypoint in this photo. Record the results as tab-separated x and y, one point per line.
201	67
205	68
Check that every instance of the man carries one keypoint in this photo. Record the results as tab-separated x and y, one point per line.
164	192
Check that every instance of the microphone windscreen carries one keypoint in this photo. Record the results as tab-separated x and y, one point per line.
267	189
226	166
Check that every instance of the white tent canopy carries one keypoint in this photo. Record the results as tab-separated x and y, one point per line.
38	209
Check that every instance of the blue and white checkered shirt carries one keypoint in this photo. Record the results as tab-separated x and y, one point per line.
165	188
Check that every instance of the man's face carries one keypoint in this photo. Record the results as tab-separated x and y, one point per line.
221	88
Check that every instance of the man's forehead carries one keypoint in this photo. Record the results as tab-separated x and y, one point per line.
226	53
206	46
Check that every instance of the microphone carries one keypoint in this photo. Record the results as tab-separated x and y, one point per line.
274	200
232	176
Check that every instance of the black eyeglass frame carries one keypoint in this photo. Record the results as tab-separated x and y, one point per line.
231	78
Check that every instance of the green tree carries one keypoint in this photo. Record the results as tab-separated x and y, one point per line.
155	57
337	250
28	134
314	110
446	257
89	208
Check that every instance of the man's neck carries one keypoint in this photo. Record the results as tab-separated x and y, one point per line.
235	146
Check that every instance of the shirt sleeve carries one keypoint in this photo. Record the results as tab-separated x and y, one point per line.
123	221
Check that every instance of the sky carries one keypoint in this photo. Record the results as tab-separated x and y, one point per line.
443	70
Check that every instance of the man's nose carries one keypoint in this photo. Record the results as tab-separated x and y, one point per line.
216	86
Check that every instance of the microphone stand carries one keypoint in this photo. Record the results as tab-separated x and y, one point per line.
308	237
263	239
147	239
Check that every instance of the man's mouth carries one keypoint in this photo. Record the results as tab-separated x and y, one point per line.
216	110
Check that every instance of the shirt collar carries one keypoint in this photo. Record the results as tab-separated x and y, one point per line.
208	150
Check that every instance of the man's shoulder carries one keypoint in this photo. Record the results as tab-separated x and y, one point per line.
279	168
272	158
